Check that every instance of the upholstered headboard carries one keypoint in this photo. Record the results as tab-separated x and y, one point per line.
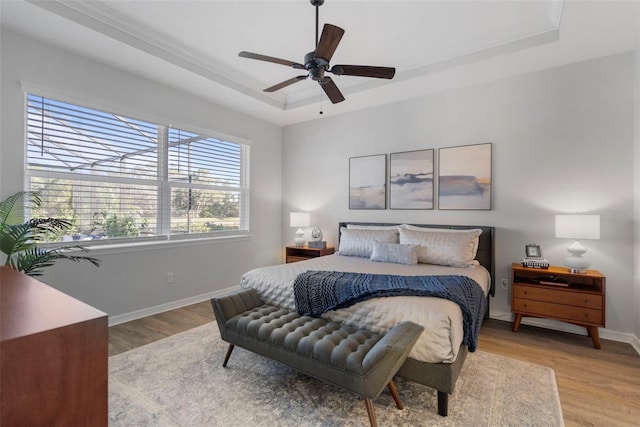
485	254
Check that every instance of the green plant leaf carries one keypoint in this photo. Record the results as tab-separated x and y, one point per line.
11	210
34	260
18	239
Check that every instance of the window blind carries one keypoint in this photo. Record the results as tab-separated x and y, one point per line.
120	177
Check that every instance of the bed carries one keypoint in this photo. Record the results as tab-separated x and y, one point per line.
439	354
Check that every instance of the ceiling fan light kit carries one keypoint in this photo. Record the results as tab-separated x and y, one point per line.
317	61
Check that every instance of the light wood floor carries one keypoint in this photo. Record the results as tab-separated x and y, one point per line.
596	387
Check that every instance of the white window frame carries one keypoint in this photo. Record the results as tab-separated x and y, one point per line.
164	186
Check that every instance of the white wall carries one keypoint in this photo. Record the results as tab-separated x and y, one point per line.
562	142
636	211
134	280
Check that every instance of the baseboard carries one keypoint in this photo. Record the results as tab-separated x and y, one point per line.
555	325
138	314
635	343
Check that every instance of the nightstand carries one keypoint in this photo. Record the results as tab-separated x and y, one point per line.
555	293
301	253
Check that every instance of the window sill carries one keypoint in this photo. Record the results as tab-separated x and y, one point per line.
126	247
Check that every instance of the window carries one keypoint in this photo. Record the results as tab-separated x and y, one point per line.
116	177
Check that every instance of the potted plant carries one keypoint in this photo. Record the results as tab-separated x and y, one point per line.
19	239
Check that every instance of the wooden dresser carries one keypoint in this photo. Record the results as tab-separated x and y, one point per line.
53	356
556	293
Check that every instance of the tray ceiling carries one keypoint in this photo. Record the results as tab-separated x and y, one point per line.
434	45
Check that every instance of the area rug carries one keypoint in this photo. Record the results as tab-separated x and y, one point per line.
180	381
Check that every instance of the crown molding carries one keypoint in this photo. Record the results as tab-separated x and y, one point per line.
100	18
550	34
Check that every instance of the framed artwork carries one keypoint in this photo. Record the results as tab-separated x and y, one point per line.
411	180
368	182
464	177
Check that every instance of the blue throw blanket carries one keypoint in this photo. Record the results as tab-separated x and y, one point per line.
317	292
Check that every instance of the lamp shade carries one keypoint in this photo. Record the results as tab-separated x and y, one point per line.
578	227
299	219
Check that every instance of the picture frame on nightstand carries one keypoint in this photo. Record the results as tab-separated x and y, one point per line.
534	258
533	251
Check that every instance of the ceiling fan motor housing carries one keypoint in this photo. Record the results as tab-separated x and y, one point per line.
315	66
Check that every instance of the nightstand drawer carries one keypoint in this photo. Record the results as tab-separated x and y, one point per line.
302	253
558	311
560	295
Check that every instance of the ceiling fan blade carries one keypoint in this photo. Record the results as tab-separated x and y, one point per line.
332	91
285	83
329	40
363	71
259	57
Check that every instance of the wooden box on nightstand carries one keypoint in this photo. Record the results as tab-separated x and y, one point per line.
555	293
301	253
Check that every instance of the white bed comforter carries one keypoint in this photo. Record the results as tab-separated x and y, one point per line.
441	318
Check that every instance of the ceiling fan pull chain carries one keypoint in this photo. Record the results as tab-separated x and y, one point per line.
321	112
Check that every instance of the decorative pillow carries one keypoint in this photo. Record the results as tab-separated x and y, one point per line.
443	230
444	247
355	242
397	253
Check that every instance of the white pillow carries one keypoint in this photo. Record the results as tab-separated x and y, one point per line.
444	230
397	253
443	247
355	242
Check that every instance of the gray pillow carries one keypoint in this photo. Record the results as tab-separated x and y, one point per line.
397	253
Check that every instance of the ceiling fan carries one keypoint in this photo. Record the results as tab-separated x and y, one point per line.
317	63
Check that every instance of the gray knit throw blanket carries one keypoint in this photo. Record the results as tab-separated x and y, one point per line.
317	292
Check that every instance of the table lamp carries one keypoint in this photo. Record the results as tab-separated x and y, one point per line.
577	227
299	219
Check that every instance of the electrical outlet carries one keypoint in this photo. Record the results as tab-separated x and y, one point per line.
170	278
504	284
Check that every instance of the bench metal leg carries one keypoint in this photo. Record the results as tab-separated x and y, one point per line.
371	412
226	358
394	393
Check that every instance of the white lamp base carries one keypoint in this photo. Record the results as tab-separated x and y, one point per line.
299	240
575	262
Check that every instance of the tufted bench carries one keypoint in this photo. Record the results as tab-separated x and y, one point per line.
358	360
